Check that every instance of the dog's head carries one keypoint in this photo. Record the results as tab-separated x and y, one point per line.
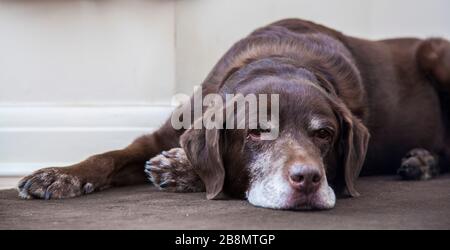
320	146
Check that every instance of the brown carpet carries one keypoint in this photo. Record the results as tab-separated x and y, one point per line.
385	204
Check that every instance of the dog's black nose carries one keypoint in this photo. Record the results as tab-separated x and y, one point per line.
305	178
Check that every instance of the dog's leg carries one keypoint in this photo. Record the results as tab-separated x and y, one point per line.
171	171
419	164
121	167
433	56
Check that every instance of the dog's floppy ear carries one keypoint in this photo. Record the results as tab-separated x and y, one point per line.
204	150
354	144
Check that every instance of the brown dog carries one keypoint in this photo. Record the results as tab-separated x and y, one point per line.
334	90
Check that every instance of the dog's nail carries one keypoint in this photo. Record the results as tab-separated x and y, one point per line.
88	188
27	185
153	168
149	165
165	153
148	172
166	184
48	195
24	195
21	184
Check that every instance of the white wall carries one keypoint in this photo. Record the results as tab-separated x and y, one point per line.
424	18
81	77
86	52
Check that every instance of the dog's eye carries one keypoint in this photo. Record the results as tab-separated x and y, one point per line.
255	134
324	134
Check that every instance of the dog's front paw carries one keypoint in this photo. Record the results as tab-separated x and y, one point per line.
171	171
52	183
419	164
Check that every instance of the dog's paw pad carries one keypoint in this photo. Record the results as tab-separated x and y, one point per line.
171	171
419	164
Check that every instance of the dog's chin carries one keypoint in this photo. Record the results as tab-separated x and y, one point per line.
324	199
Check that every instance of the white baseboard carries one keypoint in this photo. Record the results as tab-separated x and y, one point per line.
36	137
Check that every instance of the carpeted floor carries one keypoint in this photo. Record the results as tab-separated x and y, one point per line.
386	204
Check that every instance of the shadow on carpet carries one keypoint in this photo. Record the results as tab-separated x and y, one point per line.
386	203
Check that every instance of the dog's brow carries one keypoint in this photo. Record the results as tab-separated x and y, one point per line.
316	123
316	85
